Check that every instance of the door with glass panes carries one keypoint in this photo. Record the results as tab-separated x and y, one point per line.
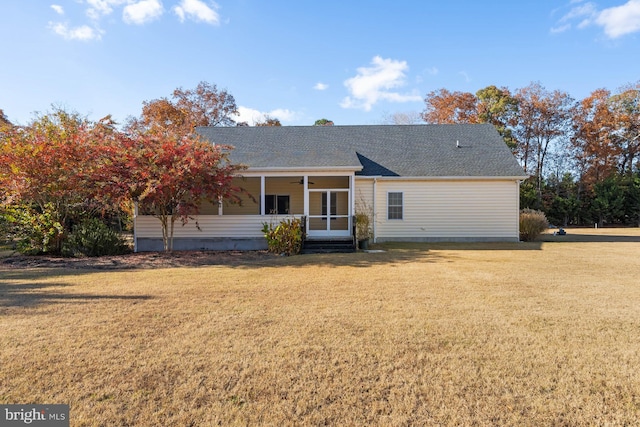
328	213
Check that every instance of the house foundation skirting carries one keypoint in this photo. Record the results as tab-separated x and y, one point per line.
446	239
147	244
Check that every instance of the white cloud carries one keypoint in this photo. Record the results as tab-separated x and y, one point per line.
198	11
99	8
373	84
560	29
248	115
616	21
59	10
136	12
84	32
142	12
465	76
251	115
321	86
587	10
620	20
283	114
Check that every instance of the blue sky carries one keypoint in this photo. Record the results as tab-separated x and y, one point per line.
351	62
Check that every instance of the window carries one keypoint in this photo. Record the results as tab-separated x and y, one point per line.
394	205
275	204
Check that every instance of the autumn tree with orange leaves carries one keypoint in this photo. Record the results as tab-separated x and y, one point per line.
489	105
4	120
543	119
582	156
205	105
445	107
166	167
48	176
171	176
626	106
61	168
595	126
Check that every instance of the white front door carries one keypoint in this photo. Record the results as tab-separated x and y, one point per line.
329	214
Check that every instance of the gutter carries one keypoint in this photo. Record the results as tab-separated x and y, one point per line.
449	178
375	190
304	169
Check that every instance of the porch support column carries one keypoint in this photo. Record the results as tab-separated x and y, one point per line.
352	198
375	212
262	195
305	180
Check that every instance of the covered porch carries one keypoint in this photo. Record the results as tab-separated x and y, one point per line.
325	201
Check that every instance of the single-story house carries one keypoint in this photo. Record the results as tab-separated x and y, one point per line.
418	183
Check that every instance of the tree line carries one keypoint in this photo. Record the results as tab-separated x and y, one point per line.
61	172
582	156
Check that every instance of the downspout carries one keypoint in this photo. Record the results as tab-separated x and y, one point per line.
518	182
305	207
352	204
375	212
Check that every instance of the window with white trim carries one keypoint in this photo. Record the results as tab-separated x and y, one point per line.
276	204
394	205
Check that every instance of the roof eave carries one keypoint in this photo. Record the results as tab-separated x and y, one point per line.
446	178
304	168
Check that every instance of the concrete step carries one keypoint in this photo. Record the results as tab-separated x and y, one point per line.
324	246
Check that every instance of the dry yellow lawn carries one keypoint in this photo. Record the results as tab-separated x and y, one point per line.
544	333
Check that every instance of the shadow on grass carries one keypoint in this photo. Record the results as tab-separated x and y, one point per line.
33	268
35	273
466	246
588	238
402	252
34	294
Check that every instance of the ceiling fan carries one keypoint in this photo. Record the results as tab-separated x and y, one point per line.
301	181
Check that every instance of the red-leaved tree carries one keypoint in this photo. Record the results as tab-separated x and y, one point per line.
47	175
170	176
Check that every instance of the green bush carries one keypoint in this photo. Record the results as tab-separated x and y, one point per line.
532	224
284	238
93	238
35	231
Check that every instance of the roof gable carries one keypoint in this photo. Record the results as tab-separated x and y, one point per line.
378	150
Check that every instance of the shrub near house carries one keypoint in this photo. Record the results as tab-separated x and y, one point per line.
532	224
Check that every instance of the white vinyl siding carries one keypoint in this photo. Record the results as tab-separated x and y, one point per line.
364	194
250	203
457	210
211	226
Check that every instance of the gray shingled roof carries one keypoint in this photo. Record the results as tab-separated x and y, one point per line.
379	150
